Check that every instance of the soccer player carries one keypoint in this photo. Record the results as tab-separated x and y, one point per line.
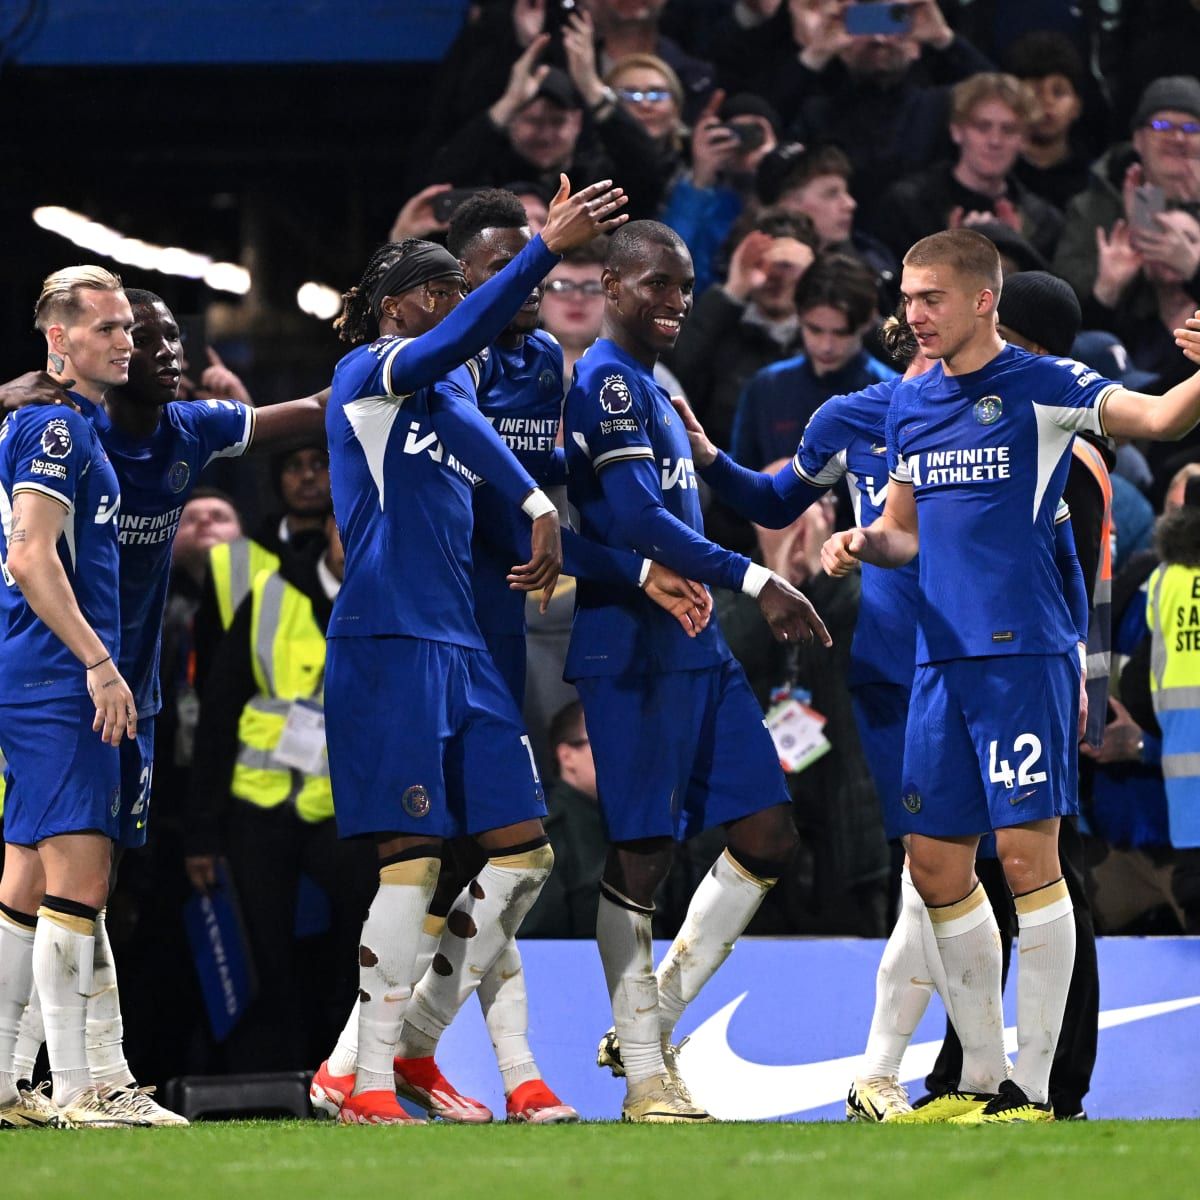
520	391
158	447
846	438
406	440
64	706
978	453
677	735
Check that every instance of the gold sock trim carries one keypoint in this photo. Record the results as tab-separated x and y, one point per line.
413	872
748	876
1043	897
539	859
433	925
74	924
945	913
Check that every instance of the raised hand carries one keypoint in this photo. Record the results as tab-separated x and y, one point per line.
789	613
416	219
747	269
1117	262
704	453
714	147
529	19
688	602
523	82
575	220
1188	338
579	44
219	382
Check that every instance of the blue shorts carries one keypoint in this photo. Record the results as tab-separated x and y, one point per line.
679	752
508	653
990	743
137	777
424	738
61	777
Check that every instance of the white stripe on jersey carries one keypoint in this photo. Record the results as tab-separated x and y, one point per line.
387	368
828	475
372	418
622	454
243	444
1056	425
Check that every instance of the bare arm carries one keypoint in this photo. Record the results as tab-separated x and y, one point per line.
1164	418
33	563
889	541
294	422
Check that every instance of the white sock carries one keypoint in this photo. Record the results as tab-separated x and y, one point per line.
505	1007
63	949
30	1038
105	1032
485	917
344	1059
1046	940
720	909
903	986
390	937
968	942
623	937
16	982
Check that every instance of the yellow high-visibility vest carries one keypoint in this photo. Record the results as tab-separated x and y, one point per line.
234	566
287	650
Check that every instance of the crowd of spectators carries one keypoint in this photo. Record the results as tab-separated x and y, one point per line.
798	162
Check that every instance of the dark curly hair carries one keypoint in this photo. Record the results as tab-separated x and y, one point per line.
492	208
356	322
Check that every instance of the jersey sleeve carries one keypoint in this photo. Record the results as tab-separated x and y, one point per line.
611	415
51	450
1072	395
820	459
897	467
225	428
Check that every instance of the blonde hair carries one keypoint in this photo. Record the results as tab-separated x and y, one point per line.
991	85
964	251
648	62
60	292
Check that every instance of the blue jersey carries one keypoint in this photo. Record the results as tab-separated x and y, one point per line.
521	394
403	506
617	414
157	475
846	437
987	455
55	452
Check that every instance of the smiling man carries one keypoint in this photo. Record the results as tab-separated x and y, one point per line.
677	735
64	706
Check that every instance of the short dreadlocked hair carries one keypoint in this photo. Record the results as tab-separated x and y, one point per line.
492	208
896	336
357	322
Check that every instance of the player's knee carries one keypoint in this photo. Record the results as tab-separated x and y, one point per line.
635	869
415	866
1025	872
939	883
534	859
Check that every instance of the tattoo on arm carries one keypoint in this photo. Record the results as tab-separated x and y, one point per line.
17	533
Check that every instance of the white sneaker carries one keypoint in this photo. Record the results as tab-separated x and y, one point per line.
658	1102
875	1100
139	1104
91	1110
670	1055
33	1108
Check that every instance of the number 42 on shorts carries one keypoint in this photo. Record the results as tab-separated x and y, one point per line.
1001	772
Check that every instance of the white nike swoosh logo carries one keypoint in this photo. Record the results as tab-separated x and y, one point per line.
734	1089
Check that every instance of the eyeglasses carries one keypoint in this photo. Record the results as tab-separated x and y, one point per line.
644	96
1162	125
568	287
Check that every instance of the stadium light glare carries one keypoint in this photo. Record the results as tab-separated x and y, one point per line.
319	300
135	252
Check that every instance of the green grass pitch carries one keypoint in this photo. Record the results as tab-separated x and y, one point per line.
278	1160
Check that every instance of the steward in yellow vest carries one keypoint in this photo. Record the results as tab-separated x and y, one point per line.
261	799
